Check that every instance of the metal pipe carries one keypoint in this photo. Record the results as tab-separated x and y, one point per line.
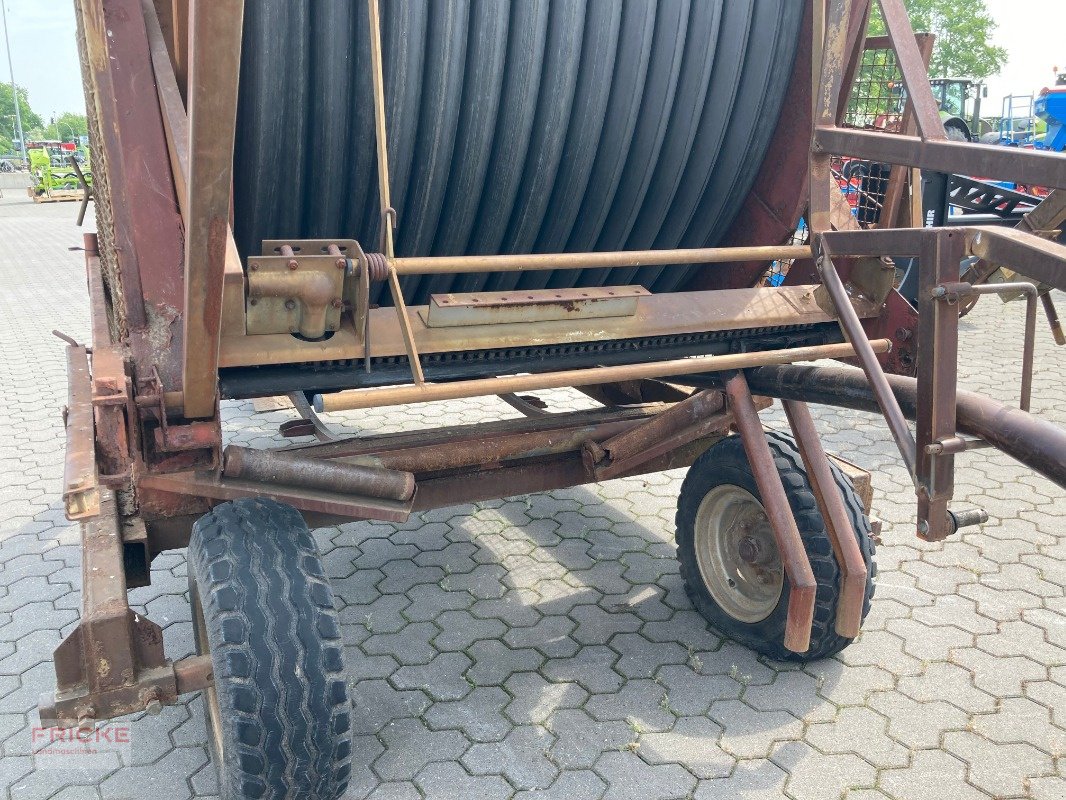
1034	442
802	586
430	392
853	572
679	416
954	445
1028	349
852	326
1029	344
1053	318
14	87
437	265
271	466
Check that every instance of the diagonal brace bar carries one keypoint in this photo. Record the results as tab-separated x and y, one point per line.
853	572
914	69
852	326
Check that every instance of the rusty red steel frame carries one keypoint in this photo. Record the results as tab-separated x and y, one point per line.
144	445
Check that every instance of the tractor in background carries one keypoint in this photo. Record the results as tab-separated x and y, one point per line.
962	121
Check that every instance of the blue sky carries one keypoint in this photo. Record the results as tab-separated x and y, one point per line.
46	58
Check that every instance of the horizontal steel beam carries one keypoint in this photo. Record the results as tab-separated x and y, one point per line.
1034	257
991	161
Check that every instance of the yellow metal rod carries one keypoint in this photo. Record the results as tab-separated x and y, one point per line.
430	392
435	265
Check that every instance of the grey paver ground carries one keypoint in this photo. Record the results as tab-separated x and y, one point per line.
543	647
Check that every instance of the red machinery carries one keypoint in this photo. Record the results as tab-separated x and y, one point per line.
353	289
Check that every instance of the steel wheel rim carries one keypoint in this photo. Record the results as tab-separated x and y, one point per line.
212	713
737	555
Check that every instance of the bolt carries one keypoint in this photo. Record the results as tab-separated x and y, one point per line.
341	263
290	304
294	264
904	334
253	266
252	301
151	699
939	291
750	550
87	719
923	527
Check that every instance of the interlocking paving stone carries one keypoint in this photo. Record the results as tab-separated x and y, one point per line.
547	641
521	757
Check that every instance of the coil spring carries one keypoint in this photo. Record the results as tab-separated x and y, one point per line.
377	266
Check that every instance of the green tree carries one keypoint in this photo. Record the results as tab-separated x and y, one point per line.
963	30
30	119
65	126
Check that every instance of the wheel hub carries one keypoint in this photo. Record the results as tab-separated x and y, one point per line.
737	554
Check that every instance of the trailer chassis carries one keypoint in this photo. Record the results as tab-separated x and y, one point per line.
145	455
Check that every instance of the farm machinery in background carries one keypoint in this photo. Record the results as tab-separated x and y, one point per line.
879	102
59	173
1050	108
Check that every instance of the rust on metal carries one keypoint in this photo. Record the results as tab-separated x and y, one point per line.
1053	318
1027	254
205	485
838	524
964	158
307	301
694	409
436	265
1038	444
272	466
802	586
140	226
81	495
663	314
852	327
456	447
913	67
428	392
214	62
938	338
193	673
533	305
114	655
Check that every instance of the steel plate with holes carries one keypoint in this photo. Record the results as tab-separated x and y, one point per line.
737	555
532	305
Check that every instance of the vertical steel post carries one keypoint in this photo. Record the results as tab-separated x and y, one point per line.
938	352
214	66
829	63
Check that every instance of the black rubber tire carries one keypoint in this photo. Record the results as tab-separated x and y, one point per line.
726	463
262	602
